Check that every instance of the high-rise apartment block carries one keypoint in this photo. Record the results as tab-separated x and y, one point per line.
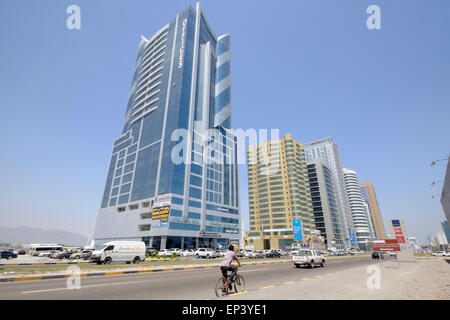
164	186
370	197
328	152
279	192
323	196
358	208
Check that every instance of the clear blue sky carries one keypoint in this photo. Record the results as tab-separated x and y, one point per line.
310	68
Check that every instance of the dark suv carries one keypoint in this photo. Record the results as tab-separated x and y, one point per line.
7	255
273	254
377	255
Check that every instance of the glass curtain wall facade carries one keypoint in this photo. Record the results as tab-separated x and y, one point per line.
171	182
328	152
370	197
326	214
278	193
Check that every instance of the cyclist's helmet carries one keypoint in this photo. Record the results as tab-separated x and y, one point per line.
231	248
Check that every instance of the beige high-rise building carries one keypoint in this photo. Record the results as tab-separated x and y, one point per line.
369	195
279	192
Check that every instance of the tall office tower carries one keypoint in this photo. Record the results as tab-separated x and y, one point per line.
328	152
323	196
278	190
164	186
370	197
441	238
446	229
358	209
369	219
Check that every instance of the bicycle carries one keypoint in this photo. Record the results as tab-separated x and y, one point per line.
238	285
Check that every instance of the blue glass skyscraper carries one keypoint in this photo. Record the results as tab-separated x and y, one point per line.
181	81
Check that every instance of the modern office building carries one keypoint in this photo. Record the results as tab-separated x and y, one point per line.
370	197
446	229
328	152
441	238
359	212
164	185
323	196
445	196
278	191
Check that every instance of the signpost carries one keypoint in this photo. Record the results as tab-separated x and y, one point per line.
386	245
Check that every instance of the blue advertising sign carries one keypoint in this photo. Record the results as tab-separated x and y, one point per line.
352	237
298	230
396	223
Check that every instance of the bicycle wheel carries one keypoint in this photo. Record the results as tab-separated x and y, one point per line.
219	289
239	283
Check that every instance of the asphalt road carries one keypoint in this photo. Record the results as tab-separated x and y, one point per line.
183	284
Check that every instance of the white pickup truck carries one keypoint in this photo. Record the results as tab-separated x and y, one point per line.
306	257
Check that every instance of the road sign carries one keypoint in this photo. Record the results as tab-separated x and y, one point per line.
386	245
298	230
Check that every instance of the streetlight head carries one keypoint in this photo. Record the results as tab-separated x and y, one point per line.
432	163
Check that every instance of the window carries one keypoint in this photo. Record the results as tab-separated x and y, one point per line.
144	227
145	204
134	206
121	209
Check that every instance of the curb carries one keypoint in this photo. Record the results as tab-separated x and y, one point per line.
109	273
72	262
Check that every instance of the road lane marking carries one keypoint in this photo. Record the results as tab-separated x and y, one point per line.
318	276
288	282
82	287
262	288
235	294
305	279
253	270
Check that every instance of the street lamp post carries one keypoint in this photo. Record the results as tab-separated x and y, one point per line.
434	162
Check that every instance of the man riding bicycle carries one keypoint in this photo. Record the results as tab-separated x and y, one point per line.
226	266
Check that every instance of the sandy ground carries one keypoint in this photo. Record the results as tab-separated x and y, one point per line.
423	279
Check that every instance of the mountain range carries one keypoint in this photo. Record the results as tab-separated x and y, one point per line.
26	235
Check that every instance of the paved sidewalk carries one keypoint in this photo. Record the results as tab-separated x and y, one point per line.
424	279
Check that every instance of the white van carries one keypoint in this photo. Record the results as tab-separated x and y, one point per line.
117	251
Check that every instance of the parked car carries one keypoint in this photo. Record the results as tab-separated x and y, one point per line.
273	254
256	254
75	255
187	253
21	252
150	251
377	255
438	253
63	255
177	251
7	255
163	253
48	253
248	252
240	253
128	251
205	253
86	254
310	258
